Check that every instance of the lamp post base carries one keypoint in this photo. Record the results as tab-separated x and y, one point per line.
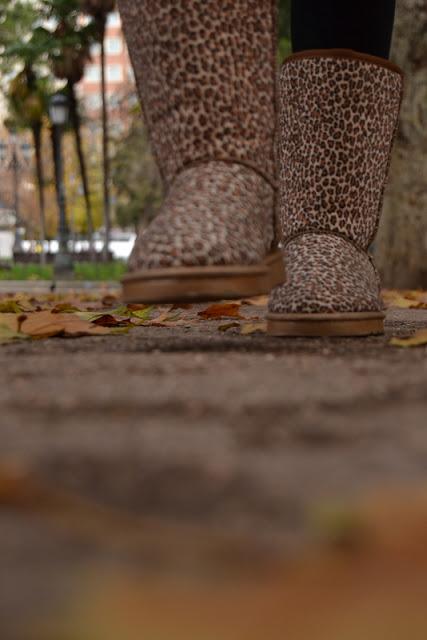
63	266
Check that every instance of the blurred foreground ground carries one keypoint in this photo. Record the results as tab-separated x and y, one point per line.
185	483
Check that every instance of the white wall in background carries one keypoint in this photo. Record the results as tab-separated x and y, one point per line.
7	239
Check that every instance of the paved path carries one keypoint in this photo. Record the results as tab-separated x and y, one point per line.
236	436
35	287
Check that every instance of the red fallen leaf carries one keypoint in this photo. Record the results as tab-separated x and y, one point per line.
107	320
216	311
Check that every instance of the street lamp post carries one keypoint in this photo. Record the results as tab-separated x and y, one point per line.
59	112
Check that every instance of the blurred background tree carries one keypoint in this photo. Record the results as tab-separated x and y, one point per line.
135	177
100	10
285	28
401	247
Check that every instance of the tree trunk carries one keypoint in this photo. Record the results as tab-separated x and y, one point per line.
76	123
105	149
37	137
401	248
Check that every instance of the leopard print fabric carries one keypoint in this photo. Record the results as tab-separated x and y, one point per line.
326	274
214	214
206	74
337	122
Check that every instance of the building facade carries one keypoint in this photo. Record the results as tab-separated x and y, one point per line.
119	74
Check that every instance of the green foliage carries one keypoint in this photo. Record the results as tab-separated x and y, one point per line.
102	272
284	28
135	178
27	272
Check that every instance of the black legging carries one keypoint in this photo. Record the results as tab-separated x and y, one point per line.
363	25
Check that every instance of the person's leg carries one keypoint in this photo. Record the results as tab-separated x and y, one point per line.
339	107
206	73
365	26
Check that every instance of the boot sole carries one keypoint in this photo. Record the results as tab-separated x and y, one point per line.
198	284
325	324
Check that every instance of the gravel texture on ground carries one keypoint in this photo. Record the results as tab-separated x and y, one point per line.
237	437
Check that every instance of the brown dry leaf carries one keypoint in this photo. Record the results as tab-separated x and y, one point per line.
160	321
228	325
108	320
45	324
223	310
373	590
255	327
417	340
109	300
65	307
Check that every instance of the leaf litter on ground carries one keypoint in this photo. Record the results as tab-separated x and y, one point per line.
87	314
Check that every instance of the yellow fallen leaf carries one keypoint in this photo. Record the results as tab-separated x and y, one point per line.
10	327
250	328
405	299
257	301
417	340
228	325
11	306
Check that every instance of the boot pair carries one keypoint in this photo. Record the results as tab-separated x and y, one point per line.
231	225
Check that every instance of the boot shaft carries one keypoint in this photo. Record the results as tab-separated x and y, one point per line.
206	73
338	116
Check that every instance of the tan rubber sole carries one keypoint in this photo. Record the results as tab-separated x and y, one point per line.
192	284
325	324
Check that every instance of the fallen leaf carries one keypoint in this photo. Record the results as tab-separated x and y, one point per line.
417	340
257	301
142	315
65	307
229	325
216	311
250	328
108	320
405	299
9	328
11	306
109	301
45	324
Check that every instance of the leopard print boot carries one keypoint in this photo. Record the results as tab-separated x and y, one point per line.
338	115
206	72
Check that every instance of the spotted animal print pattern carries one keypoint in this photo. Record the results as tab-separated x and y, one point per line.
206	74
214	214
337	121
326	274
338	116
